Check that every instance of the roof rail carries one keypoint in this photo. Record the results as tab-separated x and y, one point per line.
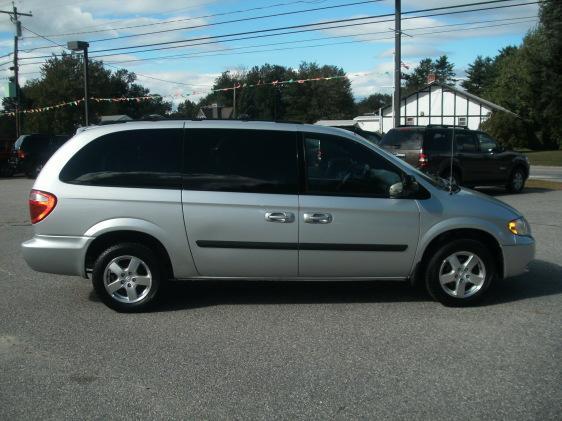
448	126
267	121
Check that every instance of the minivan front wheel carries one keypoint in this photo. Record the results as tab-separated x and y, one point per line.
460	272
127	277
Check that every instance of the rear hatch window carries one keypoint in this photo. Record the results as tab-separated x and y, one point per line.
403	138
19	142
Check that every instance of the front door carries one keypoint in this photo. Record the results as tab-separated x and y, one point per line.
349	227
495	162
468	156
240	201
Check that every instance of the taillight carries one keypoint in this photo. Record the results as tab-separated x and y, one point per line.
422	160
21	154
41	204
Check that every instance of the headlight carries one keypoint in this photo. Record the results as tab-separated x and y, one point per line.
519	227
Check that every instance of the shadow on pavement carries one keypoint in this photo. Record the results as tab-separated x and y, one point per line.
543	279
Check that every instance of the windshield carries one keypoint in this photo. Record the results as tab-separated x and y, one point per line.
403	138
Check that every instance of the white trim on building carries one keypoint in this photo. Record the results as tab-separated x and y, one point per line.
438	103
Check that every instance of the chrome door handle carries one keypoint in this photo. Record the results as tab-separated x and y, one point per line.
282	217
317	218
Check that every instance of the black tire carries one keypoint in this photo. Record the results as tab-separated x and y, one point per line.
6	171
33	171
150	265
432	279
516	182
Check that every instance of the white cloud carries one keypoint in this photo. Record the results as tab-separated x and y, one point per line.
377	79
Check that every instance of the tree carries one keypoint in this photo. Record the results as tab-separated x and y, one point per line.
312	101
61	81
373	103
258	98
479	75
440	67
187	109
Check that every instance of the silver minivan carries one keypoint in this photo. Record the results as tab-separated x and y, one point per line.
135	205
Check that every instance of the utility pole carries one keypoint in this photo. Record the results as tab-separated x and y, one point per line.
14	18
83	46
234	103
397	60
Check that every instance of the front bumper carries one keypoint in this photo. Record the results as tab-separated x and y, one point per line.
517	257
57	254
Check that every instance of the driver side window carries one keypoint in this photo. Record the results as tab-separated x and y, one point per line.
337	166
487	144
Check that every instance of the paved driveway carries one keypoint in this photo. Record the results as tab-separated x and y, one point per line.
281	350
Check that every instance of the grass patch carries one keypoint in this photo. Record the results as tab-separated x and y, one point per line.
550	158
543	184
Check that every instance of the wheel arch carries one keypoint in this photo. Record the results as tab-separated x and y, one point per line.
457	233
457	168
110	238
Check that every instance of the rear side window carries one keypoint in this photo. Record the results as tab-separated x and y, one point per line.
135	158
403	138
465	142
248	161
438	141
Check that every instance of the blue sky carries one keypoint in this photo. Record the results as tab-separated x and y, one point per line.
363	51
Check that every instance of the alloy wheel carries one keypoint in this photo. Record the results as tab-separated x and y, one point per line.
127	279
462	274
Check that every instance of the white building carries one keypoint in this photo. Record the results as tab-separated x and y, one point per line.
437	103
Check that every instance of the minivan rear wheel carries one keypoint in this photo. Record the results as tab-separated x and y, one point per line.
127	277
460	272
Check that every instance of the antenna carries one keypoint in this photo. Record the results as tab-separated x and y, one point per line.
452	156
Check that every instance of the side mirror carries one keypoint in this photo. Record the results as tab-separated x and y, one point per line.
408	187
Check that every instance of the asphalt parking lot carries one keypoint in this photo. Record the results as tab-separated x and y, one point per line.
281	350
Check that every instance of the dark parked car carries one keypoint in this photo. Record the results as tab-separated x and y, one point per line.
5	153
372	137
352	126
32	151
478	160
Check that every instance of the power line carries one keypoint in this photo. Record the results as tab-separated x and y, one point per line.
339	43
185	19
206	25
179	56
318	24
293	12
263	35
109	28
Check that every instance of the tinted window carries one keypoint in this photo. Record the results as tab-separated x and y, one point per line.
487	144
438	141
134	158
370	136
465	142
339	166
403	138
32	143
255	161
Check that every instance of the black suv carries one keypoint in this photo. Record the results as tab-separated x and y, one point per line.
477	159
32	151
